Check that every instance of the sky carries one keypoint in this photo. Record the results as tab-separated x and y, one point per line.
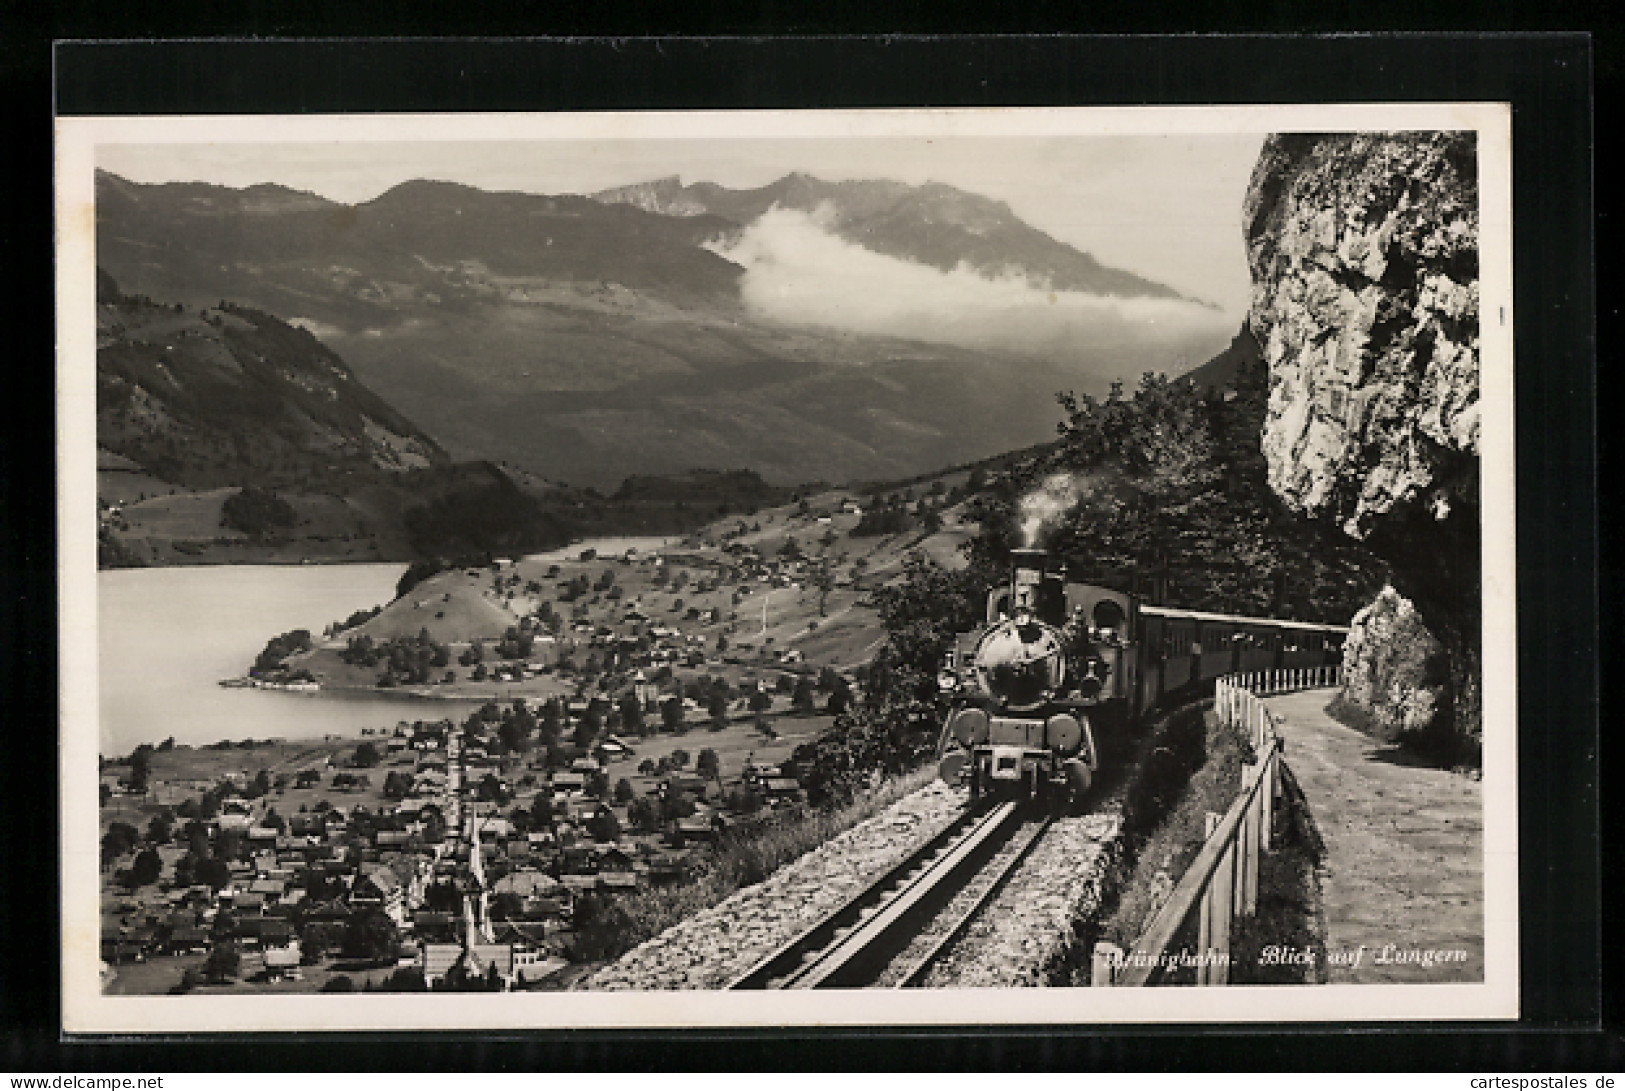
1167	207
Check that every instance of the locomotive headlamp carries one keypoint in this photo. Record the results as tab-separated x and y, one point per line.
947	681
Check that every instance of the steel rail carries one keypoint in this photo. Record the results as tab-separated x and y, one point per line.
858	939
913	975
790	956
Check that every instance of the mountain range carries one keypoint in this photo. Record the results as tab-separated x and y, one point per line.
934	224
587	339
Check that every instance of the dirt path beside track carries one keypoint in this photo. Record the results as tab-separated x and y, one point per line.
1402	878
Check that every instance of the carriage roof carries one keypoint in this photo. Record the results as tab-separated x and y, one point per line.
1175	614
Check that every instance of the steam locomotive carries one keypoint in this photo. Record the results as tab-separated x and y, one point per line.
1059	660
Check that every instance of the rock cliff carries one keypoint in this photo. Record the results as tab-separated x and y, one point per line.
1395	672
1363	250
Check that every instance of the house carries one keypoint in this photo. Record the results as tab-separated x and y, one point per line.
787	788
701	827
333	911
579	860
492	829
272	890
264	932
569	782
665	867
191	939
378	887
617	882
614	749
679	783
481	958
283	962
613	858
437	959
436	927
246	901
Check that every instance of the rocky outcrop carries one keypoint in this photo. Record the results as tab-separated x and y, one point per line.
1364	257
1395	671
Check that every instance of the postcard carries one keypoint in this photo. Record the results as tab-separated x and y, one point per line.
745	569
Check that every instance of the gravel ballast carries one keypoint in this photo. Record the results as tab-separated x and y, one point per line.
1026	927
710	949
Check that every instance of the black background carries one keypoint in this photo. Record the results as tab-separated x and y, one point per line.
1547	78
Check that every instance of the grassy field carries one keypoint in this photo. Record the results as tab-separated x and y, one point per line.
735	745
686	592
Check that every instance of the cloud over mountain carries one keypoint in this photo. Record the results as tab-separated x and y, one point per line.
799	271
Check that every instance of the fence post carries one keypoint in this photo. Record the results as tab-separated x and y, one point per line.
1267	791
1255	849
1219	972
1206	909
1239	864
1105	957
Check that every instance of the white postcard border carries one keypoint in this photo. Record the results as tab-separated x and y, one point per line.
86	1010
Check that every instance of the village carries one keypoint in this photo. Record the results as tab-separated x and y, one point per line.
639	710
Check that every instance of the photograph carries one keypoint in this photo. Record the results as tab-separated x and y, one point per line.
760	568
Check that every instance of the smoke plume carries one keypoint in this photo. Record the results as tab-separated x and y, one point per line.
1056	495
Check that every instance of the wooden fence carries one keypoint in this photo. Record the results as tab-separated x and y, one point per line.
1221	884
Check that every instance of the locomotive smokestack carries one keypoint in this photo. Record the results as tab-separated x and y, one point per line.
1027	572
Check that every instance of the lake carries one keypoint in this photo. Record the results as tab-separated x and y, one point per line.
167	636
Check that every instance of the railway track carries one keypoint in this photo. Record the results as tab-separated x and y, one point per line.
891	932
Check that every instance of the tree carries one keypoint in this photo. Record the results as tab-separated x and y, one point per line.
744	800
839	700
397	785
340	984
604	826
541	811
717	705
146	869
631	713
647	767
371	936
802	700
407	979
120	838
671	715
760	701
644	814
624	792
256	512
366	756
140	767
491	790
823	581
598	784
160	829
224	962
679	758
587	727
709	765
213	871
